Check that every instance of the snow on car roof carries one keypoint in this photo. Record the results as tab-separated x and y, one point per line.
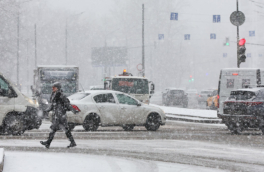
250	89
239	69
55	66
134	77
100	91
177	89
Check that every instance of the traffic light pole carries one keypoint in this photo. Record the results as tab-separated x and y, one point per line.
143	45
238	63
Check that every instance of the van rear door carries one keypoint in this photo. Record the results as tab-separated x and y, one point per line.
235	79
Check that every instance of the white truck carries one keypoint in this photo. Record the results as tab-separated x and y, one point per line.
46	75
17	112
139	87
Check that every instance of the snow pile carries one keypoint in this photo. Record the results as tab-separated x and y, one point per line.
1	155
1	159
188	112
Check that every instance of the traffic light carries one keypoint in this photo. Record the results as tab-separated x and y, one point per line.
191	79
227	42
241	51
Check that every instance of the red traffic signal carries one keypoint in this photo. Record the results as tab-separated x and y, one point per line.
242	42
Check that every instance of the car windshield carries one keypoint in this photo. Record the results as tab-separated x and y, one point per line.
67	87
51	75
242	95
206	92
78	96
191	91
131	85
180	92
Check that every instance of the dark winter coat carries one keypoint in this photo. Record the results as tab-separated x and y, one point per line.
59	104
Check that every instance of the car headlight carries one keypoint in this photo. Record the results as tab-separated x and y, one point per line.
31	101
45	101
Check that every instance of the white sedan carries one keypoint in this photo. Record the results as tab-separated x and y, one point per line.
112	108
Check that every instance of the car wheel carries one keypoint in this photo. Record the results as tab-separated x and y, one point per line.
128	127
71	126
262	130
14	124
235	129
91	122
238	130
153	122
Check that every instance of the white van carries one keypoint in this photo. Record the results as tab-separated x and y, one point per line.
17	112
236	78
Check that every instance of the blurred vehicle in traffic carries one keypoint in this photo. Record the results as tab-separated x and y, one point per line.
192	92
97	87
212	100
237	78
244	109
18	112
192	96
175	96
203	95
112	108
137	86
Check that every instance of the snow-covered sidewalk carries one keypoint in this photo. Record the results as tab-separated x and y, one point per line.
54	162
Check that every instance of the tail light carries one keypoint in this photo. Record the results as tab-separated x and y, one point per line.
200	96
218	97
76	108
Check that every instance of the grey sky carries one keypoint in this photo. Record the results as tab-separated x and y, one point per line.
98	8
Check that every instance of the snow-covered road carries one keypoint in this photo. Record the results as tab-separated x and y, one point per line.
58	162
211	155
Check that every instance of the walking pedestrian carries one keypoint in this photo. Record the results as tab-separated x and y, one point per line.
59	105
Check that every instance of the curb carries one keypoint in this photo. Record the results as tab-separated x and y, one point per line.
2	158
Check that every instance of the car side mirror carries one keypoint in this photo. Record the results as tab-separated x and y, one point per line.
139	104
152	87
152	92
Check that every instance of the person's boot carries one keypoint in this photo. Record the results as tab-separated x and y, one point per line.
46	143
69	136
50	138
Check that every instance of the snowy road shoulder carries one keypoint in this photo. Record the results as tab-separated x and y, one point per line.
2	156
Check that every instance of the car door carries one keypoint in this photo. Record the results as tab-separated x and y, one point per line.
108	108
130	112
6	104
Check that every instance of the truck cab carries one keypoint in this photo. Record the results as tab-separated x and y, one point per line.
136	86
18	112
